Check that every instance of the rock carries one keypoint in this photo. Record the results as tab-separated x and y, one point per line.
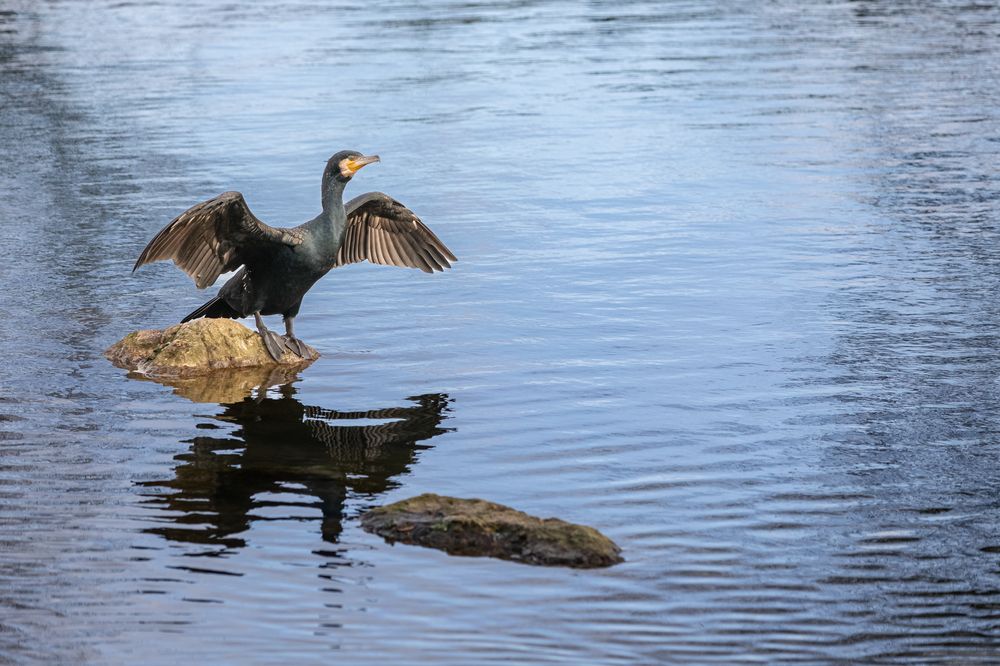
199	347
477	527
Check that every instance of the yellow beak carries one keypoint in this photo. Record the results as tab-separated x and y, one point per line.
353	165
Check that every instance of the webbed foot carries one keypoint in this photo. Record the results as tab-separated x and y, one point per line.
273	343
300	348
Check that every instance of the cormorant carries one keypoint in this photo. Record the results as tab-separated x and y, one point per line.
280	265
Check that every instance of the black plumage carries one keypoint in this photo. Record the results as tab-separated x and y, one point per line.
278	266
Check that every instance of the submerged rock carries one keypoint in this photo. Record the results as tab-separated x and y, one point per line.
477	527
199	347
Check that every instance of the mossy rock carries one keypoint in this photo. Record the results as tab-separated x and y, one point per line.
477	527
198	347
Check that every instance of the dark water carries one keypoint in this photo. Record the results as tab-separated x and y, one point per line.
727	291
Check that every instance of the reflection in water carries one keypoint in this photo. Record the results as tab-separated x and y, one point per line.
283	446
228	385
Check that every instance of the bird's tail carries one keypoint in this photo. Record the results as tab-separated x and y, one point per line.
214	309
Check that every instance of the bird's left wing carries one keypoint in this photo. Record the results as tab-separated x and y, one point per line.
215	237
384	231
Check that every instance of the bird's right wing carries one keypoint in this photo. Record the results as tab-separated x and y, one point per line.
384	231
215	237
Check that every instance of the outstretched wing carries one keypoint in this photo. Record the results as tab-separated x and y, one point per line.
384	231
215	237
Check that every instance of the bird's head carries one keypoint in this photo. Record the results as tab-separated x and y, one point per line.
346	163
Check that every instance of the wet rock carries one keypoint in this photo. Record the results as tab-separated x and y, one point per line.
199	347
477	527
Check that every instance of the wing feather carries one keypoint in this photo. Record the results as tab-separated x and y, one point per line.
357	247
384	231
214	237
385	249
410	255
375	245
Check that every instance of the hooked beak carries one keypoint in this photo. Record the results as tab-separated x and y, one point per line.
352	166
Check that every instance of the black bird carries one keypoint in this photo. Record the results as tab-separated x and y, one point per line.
280	265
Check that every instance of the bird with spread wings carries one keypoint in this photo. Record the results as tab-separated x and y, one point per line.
277	266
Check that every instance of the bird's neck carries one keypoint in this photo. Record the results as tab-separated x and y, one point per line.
333	219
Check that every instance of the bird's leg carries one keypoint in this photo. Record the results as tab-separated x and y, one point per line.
272	341
293	344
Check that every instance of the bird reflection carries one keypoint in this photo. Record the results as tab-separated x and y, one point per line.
283	448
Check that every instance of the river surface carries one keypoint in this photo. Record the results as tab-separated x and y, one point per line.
728	290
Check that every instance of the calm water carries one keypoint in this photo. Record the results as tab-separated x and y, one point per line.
728	291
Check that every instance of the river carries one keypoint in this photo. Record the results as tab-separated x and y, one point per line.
726	290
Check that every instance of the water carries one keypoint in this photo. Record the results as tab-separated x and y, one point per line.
726	291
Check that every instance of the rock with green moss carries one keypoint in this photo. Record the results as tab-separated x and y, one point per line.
477	527
199	347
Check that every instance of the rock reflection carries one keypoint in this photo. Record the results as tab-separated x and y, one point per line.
283	447
228	385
